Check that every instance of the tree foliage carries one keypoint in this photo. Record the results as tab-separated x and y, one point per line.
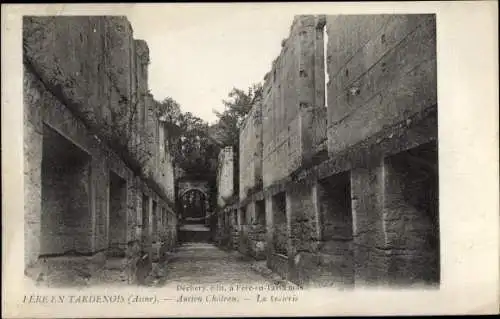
230	121
237	106
188	139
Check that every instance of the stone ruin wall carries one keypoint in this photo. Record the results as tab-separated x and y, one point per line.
347	178
250	152
294	101
227	229
84	80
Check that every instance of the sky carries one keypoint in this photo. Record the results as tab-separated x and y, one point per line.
199	54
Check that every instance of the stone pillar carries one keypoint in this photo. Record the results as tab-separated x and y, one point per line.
149	230
257	230
290	251
242	223
141	66
131	207
146	203
246	242
304	235
367	195
137	213
305	31
316	209
319	63
396	232
33	145
33	148
269	228
308	76
235	231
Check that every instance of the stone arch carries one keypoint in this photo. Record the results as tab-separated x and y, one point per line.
187	185
194	205
199	189
197	213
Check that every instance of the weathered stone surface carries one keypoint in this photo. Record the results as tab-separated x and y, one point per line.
33	137
289	112
252	233
343	207
77	107
390	77
227	235
69	271
304	224
62	51
225	171
250	152
370	266
368	234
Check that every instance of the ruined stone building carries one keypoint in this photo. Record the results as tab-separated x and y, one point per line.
194	209
99	181
339	165
227	230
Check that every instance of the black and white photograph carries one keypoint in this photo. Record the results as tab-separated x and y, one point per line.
232	160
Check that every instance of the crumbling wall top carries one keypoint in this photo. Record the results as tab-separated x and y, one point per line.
142	50
120	23
303	21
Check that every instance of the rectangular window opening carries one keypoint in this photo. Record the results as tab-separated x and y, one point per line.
412	196
260	212
65	195
280	233
335	206
244	215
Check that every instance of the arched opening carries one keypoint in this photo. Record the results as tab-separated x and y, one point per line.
194	208
194	216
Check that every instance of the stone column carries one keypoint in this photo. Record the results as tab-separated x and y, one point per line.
306	34
149	230
319	63
304	237
269	228
290	250
33	149
367	195
248	234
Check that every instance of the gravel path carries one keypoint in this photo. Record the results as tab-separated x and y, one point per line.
203	263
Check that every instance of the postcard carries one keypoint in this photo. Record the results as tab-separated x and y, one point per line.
250	159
